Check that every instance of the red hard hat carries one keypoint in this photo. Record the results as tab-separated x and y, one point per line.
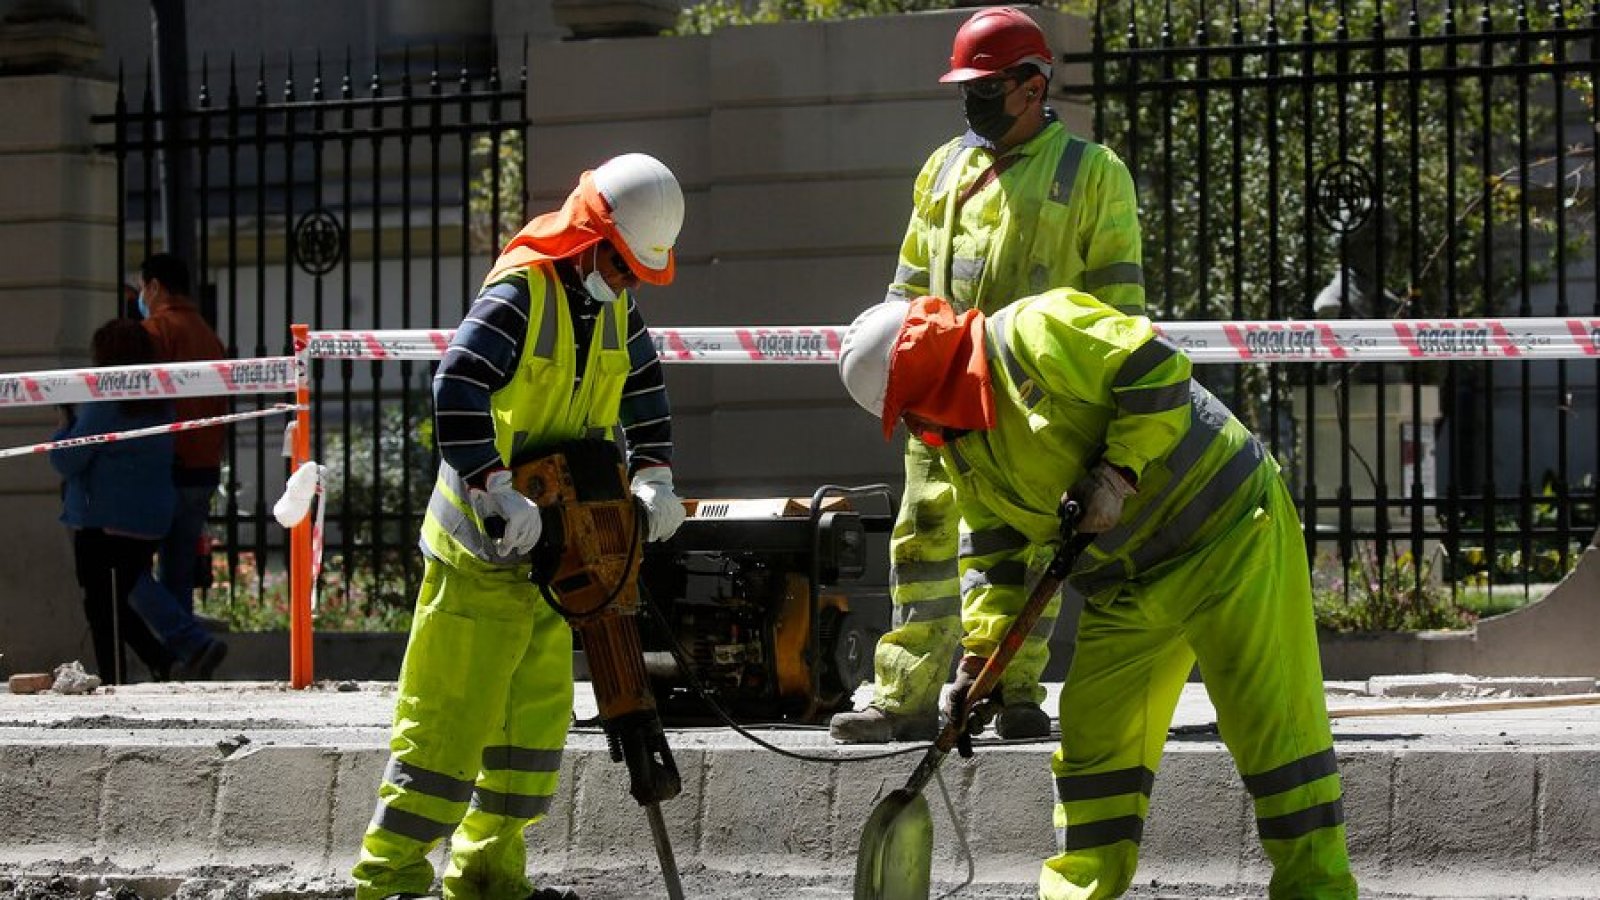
994	40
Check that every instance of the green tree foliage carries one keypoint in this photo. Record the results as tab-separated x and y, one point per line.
1463	167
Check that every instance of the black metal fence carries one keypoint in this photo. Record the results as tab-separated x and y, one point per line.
1372	159
345	200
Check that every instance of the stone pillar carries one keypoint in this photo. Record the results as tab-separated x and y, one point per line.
616	18
59	273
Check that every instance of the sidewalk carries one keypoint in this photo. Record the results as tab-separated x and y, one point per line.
277	785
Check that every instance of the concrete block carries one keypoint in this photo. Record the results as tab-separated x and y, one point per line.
558	152
1568	825
38	253
859	786
818	290
644	78
1369	807
1199	817
50	800
157	806
51	112
743	788
355	795
1008	810
53	186
260	822
1451	685
888	138
606	826
30	682
1462	811
769	64
808	217
891	56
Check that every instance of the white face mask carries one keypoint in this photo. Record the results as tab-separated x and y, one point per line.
595	283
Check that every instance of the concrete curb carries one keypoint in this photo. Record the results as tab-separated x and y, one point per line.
1431	822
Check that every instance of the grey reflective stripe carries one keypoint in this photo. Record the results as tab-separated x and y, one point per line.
901	573
411	777
1011	573
1147	401
1143	361
1042	628
904	274
545	348
944	169
926	611
410	825
1067	171
456	523
1206	418
610	338
1090	583
1000	345
1299	824
992	540
1289	776
1099	785
1102	833
1116	273
967	268
1182	528
520	759
513	806
962	466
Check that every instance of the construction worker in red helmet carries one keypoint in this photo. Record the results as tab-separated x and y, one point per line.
552	350
1199	558
1014	206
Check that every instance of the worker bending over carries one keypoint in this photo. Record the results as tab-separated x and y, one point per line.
1199	557
552	350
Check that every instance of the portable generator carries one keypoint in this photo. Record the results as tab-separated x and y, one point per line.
757	595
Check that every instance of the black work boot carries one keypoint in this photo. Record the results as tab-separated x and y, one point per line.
1022	720
876	725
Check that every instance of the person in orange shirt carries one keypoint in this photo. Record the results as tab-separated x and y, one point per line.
181	334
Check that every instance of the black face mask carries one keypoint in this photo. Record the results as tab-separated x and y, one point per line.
988	118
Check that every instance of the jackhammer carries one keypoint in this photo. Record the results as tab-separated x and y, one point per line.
586	565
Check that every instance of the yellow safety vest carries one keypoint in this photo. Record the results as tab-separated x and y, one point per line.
537	409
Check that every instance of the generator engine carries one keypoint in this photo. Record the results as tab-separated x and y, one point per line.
757	595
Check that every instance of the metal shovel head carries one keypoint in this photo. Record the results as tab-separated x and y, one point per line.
895	859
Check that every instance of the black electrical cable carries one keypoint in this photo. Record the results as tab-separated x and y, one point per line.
682	659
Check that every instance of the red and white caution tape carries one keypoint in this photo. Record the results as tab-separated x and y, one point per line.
1338	340
112	437
268	375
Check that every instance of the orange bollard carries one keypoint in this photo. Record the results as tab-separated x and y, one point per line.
300	633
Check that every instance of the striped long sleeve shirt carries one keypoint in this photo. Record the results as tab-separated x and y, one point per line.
484	356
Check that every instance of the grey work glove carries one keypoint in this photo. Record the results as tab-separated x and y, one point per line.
955	699
1101	493
500	499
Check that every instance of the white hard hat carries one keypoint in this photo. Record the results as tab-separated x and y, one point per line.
866	351
646	206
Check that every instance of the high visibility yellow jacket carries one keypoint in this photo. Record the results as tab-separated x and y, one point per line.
1061	213
1076	382
539	408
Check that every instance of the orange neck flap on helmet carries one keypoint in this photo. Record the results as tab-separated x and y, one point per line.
583	221
939	371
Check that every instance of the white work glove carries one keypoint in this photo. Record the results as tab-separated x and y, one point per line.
653	487
298	492
1101	493
500	499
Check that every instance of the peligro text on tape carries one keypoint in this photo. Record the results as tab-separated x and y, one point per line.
267	375
1343	340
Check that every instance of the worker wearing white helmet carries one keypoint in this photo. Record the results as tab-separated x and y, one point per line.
1199	557
1014	206
552	350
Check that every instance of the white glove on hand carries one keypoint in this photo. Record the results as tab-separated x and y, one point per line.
653	487
1101	493
500	499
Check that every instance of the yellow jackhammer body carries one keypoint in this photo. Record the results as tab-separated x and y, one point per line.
587	566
